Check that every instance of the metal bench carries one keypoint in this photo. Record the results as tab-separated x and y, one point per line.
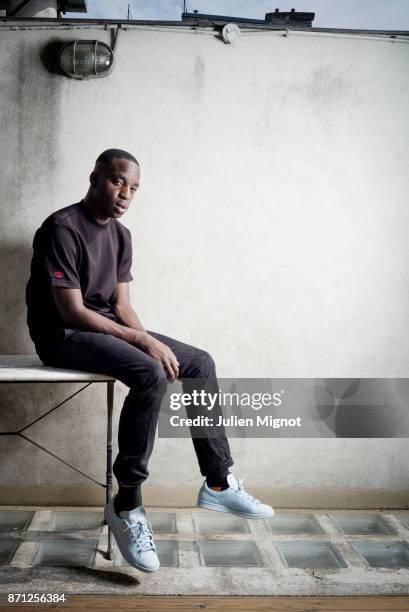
29	369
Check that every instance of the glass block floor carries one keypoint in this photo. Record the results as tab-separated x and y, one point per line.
318	552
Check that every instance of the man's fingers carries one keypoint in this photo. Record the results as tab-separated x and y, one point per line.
173	363
168	360
168	369
173	368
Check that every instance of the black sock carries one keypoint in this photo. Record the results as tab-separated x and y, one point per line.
215	480
127	499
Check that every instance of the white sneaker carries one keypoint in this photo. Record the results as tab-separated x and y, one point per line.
234	500
133	534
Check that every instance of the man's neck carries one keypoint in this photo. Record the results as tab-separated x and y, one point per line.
92	209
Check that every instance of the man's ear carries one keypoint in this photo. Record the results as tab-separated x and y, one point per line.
93	178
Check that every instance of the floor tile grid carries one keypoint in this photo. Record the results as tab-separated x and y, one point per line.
189	529
259	533
25	553
342	541
37	532
265	540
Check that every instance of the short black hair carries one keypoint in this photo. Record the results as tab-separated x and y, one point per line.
109	155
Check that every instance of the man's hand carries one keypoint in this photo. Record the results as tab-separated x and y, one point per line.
161	352
74	314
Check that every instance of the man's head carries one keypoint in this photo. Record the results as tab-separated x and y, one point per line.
113	183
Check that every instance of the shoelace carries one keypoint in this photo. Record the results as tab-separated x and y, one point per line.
243	493
141	534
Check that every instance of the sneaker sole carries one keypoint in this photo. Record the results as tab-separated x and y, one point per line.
220	508
133	564
143	569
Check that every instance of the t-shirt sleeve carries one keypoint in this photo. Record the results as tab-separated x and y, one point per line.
60	255
125	260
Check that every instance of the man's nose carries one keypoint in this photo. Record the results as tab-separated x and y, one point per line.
125	193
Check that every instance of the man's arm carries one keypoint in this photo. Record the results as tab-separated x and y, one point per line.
127	316
123	308
74	314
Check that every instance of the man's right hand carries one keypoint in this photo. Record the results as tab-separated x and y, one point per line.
159	351
74	314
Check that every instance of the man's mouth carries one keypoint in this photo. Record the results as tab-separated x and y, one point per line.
119	209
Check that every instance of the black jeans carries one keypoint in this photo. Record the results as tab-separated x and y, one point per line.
106	354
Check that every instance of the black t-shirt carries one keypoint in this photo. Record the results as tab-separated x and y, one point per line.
72	249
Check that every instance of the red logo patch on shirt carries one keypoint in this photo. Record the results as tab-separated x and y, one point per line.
58	274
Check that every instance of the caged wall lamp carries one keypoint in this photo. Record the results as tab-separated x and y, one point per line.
84	59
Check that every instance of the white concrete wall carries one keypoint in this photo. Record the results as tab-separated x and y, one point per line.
270	228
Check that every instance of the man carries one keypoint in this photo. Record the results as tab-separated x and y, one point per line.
80	317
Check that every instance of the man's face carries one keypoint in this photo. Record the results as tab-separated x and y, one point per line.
113	186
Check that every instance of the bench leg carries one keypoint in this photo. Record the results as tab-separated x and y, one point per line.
110	403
